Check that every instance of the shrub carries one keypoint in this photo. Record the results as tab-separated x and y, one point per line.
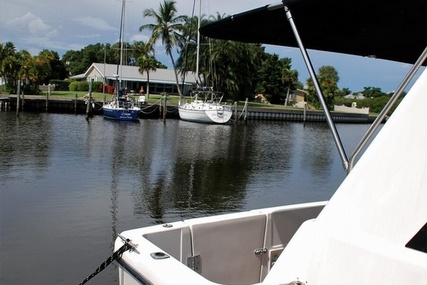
83	86
96	85
60	85
73	86
30	90
108	89
8	88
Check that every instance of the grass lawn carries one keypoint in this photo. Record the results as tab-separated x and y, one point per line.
154	98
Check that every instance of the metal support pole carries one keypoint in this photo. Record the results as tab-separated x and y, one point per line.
387	107
310	68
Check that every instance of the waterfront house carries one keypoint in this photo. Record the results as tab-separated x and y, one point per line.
161	81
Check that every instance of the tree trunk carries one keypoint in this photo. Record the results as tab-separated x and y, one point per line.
148	84
176	76
287	97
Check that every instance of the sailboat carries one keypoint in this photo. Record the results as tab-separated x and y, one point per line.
122	107
205	105
373	229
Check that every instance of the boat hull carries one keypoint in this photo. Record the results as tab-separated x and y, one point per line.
121	114
208	114
237	248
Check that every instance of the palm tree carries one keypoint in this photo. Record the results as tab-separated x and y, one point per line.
289	76
141	48
146	63
8	62
187	59
227	66
27	71
167	27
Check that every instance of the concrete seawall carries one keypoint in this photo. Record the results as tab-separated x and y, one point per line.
78	106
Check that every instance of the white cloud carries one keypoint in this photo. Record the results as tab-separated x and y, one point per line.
139	37
90	36
95	23
33	24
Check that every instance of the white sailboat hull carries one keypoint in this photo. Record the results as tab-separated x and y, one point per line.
205	113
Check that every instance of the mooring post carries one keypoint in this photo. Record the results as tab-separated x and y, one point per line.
164	107
246	109
89	101
235	112
18	92
47	97
23	102
75	104
304	117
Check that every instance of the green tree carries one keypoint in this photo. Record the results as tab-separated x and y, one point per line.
141	48
57	68
187	59
233	65
145	61
373	92
343	92
276	78
32	71
9	65
328	79
269	78
77	62
226	66
289	77
74	65
167	27
43	63
27	71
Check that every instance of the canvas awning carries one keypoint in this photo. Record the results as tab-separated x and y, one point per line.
386	29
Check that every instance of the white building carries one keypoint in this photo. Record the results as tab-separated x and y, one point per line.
161	80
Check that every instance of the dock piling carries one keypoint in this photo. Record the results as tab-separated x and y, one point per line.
89	101
47	98
18	97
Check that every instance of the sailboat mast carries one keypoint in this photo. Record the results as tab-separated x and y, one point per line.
198	41
122	21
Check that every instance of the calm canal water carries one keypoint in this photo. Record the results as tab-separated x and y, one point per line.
68	187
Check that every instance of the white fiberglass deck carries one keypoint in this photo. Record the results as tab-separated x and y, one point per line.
237	248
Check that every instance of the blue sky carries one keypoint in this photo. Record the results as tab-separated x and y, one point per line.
71	25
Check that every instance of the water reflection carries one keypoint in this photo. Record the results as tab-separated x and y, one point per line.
32	153
316	150
185	169
69	186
